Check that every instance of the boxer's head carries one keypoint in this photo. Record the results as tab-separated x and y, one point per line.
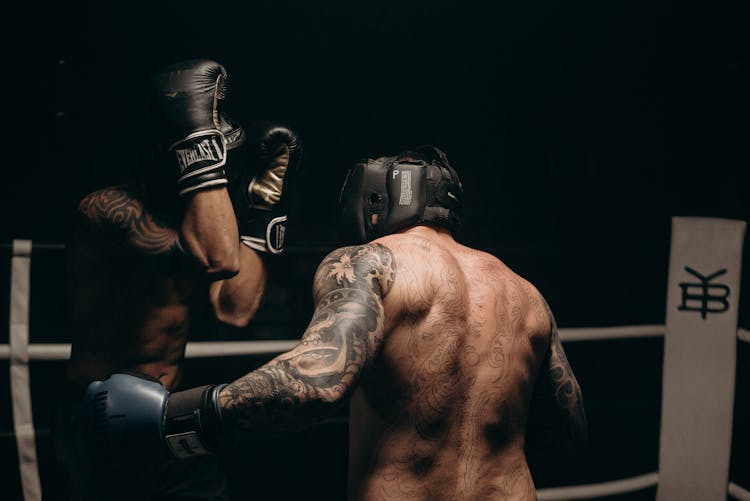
387	194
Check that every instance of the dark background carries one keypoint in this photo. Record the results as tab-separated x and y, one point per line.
579	129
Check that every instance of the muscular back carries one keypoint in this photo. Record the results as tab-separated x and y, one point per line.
439	348
442	413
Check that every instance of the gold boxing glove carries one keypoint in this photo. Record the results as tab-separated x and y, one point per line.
258	185
266	187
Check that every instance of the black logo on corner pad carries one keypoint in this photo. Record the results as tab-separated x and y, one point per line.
704	296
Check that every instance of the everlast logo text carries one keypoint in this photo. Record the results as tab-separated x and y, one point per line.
207	150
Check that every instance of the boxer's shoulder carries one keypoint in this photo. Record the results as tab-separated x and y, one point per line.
116	215
357	264
110	205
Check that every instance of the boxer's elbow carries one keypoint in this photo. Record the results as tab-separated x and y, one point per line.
317	377
324	397
217	259
219	271
235	302
322	406
221	265
216	267
334	396
235	312
331	398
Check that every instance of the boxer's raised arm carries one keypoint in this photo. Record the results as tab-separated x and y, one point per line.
303	385
187	97
258	189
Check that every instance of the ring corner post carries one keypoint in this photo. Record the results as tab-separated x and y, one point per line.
700	346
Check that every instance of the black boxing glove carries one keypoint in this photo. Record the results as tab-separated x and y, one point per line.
132	417
258	186
187	96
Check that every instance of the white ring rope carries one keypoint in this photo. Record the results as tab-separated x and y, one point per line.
620	332
214	349
616	487
738	492
208	349
598	490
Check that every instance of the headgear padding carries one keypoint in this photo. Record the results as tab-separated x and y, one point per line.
387	194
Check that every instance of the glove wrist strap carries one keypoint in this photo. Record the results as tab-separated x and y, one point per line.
201	157
265	233
193	421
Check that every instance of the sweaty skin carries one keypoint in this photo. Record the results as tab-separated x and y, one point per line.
439	347
136	280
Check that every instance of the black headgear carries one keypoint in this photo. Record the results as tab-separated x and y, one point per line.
387	194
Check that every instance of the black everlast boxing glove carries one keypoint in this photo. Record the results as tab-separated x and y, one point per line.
186	98
259	184
130	417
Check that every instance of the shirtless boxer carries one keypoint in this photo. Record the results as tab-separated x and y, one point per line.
438	346
149	259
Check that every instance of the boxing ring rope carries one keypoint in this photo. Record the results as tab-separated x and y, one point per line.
210	349
198	349
20	352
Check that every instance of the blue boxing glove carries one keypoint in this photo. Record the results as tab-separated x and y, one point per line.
130	416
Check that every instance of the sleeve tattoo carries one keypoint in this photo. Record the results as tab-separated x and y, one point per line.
124	219
301	386
564	387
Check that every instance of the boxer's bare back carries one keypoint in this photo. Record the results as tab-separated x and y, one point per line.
440	347
442	414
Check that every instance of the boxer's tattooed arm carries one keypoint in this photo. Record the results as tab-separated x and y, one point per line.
561	389
345	334
116	214
565	388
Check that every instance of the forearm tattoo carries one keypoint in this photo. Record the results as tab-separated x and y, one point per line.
564	386
118	213
299	387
